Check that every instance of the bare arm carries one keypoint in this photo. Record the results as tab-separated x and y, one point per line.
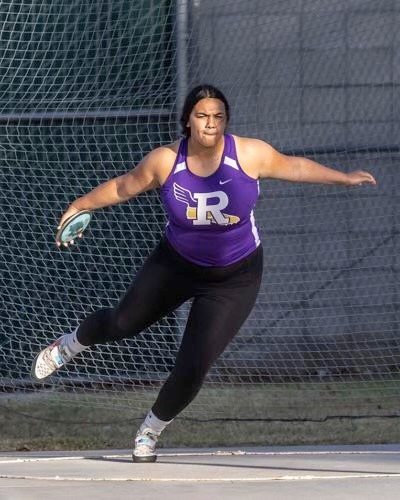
138	180
144	177
275	165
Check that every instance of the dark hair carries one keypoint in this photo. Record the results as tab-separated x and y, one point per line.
195	95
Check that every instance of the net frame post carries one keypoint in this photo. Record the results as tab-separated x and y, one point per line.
182	14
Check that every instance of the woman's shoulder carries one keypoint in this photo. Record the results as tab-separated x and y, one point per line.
163	156
250	144
250	153
162	159
166	150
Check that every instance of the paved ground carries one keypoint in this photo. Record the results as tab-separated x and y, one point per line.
341	472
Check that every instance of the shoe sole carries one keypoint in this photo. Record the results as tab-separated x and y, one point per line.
33	374
149	459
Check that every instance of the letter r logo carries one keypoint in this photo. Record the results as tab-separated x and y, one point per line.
214	209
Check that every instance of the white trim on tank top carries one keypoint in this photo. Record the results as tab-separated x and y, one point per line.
254	229
231	162
180	166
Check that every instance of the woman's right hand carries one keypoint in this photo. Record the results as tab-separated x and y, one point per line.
72	210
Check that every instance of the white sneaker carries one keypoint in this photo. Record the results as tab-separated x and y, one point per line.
145	446
50	359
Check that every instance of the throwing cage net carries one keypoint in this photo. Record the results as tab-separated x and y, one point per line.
87	88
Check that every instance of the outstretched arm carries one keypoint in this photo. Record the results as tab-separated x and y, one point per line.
275	165
144	177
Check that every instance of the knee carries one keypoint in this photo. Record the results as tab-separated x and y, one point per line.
127	322
121	321
106	325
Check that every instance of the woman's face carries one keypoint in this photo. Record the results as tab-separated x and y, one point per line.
207	121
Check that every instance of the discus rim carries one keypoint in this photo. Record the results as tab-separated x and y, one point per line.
66	233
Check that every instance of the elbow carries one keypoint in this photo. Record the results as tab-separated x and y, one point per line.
121	190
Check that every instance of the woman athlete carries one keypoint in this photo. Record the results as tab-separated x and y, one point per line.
210	252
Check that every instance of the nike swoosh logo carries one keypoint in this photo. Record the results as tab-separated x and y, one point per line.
224	182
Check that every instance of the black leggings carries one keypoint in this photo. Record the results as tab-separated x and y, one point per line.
222	299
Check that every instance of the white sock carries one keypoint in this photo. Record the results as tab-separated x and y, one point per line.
154	423
72	344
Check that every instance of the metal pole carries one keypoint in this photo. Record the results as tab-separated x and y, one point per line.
82	115
181	56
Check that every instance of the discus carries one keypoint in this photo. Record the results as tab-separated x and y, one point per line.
73	227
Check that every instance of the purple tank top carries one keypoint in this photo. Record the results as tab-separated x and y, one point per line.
210	219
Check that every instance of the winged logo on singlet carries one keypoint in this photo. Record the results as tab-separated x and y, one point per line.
205	208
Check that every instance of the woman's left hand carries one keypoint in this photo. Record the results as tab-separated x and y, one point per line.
360	177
